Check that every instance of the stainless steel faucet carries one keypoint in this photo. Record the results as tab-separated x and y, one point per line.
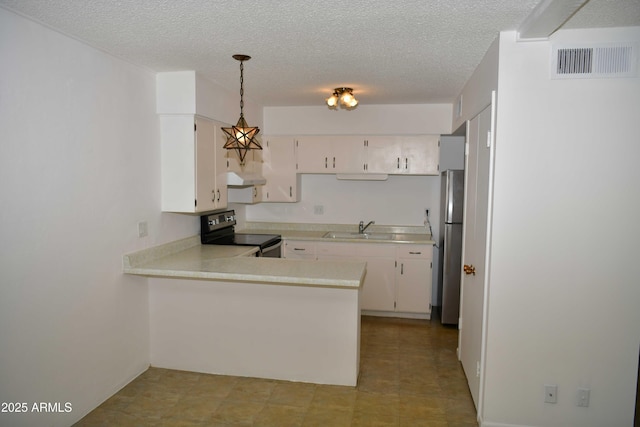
362	227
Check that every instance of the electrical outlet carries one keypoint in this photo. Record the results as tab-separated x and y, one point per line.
143	229
583	397
318	210
550	393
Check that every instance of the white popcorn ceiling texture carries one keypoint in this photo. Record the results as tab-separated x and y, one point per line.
390	52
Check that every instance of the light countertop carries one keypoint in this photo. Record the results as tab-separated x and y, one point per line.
187	258
294	231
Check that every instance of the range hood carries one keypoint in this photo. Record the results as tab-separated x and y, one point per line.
242	179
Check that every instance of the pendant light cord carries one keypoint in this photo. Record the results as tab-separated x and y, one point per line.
241	88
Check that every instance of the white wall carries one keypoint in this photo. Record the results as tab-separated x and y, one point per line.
564	294
364	120
79	167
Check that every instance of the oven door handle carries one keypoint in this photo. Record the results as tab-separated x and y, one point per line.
272	251
272	247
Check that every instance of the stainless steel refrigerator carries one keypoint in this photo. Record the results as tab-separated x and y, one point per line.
451	205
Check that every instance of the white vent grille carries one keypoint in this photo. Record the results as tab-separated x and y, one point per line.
594	61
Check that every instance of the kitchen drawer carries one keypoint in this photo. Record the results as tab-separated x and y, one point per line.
299	249
415	251
369	250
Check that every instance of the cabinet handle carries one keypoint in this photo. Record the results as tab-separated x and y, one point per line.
326	163
290	191
398	162
299	249
415	253
402	268
334	162
406	163
218	192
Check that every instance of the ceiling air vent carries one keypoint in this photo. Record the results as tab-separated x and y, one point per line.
594	61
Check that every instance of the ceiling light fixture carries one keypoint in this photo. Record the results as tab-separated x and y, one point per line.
242	137
342	96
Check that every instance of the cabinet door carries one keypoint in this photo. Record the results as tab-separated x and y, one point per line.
413	279
420	155
383	154
378	289
188	164
279	169
314	154
246	195
205	179
331	154
220	169
348	154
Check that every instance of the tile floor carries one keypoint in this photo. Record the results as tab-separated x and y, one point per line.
409	376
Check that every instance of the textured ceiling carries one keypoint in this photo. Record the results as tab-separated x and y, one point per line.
390	52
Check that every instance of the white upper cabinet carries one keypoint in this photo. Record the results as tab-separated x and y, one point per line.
193	162
392	155
382	153
190	158
279	169
403	155
420	155
330	154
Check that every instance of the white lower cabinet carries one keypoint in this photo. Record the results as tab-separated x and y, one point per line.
378	291
398	278
413	278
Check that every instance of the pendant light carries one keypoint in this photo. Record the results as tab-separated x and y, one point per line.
242	137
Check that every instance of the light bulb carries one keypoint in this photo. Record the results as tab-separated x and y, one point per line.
240	137
347	98
353	102
332	101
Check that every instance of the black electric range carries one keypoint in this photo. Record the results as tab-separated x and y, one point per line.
219	229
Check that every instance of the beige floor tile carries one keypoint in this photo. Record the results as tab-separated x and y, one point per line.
322	417
214	385
292	394
194	407
334	397
237	413
251	389
273	415
378	409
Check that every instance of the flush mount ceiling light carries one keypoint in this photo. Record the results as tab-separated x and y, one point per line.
242	137
342	96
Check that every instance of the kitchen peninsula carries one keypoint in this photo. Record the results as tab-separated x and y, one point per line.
217	309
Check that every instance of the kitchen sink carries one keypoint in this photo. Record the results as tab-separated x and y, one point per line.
358	236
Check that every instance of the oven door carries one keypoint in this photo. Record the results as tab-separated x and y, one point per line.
272	251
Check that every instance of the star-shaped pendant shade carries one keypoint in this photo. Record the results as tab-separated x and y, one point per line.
242	138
